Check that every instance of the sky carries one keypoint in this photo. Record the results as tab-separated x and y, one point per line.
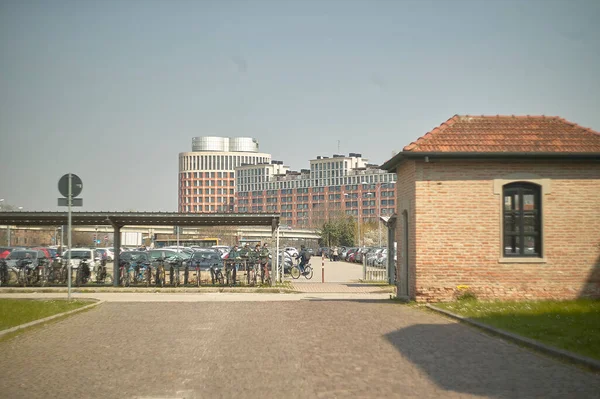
114	90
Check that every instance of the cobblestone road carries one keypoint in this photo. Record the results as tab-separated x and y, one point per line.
315	349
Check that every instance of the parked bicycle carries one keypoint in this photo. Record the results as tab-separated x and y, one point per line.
175	265
30	274
57	272
160	272
265	276
140	273
216	274
8	274
198	273
102	276
124	273
83	273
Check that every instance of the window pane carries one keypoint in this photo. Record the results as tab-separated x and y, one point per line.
528	202
530	222
530	247
511	246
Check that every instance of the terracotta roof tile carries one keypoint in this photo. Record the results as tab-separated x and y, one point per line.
501	133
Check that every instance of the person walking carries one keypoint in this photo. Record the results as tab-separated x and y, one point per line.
335	254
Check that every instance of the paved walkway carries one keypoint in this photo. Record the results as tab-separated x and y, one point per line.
205	297
340	287
301	349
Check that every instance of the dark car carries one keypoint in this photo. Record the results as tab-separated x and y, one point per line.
5	251
19	256
167	254
134	256
323	250
206	259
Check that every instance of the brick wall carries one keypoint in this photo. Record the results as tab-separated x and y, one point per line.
456	230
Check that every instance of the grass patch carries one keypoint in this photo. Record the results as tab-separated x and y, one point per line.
14	312
569	325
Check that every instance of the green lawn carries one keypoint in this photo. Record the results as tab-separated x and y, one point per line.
14	312
570	325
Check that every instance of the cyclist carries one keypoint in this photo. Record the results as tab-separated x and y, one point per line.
304	257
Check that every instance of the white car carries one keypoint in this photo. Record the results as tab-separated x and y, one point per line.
77	254
110	253
292	251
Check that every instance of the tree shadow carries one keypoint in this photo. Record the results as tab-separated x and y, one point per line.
591	287
463	360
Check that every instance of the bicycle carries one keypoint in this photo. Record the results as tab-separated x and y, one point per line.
265	276
148	273
83	273
140	273
24	271
198	274
102	276
124	273
216	274
8	274
186	274
174	272
308	271
160	273
57	272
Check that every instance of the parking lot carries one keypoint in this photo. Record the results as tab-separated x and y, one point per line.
309	348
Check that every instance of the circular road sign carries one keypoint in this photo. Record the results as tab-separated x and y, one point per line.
76	185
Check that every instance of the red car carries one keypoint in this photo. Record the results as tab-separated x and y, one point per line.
5	251
45	251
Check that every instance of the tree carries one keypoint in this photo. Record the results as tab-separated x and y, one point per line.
4	207
338	231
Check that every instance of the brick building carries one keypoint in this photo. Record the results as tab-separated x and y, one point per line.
207	173
507	206
332	186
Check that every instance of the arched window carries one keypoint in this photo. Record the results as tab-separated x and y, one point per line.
522	215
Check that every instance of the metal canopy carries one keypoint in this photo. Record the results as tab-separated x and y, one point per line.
121	219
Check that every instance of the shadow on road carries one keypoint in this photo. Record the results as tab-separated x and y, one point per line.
459	359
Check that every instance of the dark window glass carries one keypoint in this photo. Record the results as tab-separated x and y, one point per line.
522	220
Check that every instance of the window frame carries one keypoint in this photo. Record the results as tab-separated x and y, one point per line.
518	191
545	188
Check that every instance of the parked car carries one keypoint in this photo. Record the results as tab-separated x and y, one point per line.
291	250
134	256
5	251
287	260
206	258
350	254
323	250
36	256
110	253
77	254
168	254
46	251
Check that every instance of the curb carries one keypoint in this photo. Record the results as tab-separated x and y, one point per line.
45	319
166	290
550	350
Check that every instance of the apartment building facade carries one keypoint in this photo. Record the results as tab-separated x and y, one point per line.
207	173
332	186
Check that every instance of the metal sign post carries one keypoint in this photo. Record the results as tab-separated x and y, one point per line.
69	186
69	197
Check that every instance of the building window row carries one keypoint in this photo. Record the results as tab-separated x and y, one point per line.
219	162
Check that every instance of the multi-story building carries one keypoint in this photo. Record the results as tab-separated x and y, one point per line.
207	174
337	185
